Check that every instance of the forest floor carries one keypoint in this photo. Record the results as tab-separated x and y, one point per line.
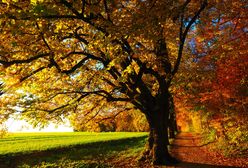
188	148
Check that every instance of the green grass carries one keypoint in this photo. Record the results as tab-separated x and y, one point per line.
45	150
28	142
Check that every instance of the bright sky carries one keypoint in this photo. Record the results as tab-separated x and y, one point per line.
22	126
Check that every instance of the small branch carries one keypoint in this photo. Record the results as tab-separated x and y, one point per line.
101	93
65	105
75	67
83	7
106	9
54	63
43	37
181	27
69	6
79	37
109	82
107	95
32	73
95	3
183	37
79	64
113	116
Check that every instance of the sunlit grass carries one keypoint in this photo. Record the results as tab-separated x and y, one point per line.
29	142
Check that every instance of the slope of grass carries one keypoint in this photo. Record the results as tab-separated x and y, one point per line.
28	142
75	149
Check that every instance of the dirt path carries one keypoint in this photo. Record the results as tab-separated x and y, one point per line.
188	148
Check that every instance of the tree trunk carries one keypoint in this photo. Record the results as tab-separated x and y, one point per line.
172	118
147	154
158	140
161	140
172	125
172	132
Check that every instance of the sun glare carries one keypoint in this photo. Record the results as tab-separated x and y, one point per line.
22	126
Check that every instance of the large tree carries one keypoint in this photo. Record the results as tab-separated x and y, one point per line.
85	55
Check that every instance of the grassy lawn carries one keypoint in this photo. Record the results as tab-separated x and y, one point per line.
68	149
27	142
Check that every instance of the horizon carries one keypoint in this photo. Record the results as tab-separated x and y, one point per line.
20	126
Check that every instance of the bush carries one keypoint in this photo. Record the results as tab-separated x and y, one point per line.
3	130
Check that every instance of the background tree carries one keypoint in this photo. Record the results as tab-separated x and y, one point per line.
96	56
127	121
214	85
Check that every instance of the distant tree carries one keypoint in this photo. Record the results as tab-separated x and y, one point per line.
127	121
96	56
214	84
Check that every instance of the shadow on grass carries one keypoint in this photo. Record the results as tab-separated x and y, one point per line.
85	155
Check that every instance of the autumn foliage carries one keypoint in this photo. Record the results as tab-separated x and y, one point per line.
100	63
215	88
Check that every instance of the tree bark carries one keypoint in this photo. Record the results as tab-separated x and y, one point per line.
161	140
147	154
172	118
157	145
172	125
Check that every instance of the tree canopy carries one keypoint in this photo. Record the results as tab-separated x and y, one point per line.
105	50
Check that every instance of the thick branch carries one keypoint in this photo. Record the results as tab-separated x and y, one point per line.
79	64
8	63
32	17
